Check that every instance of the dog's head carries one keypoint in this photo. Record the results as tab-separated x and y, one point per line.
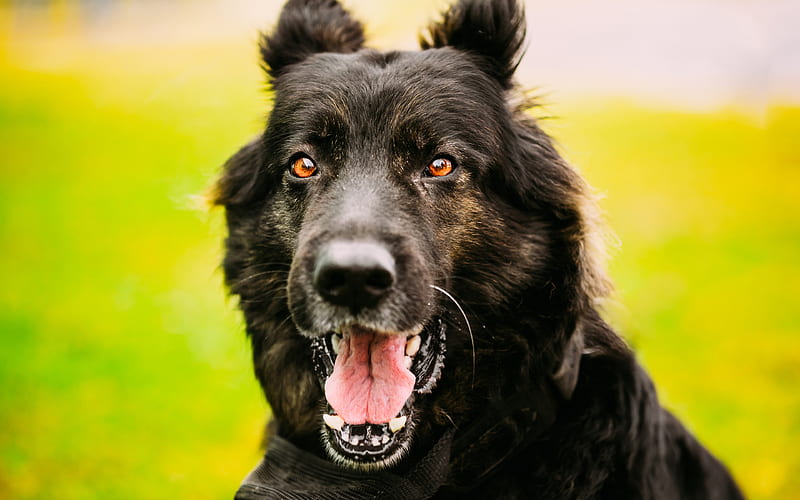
404	239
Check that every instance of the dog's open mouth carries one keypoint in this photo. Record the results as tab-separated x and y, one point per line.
371	381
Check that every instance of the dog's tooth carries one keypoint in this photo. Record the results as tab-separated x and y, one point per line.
408	362
333	421
397	423
412	345
335	341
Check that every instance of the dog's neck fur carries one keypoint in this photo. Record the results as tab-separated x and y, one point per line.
520	419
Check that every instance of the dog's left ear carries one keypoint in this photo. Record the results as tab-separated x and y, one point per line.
493	29
240	182
307	27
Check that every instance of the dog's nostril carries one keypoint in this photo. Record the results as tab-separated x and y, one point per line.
379	278
331	278
355	274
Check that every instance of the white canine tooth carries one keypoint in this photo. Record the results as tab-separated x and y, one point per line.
412	345
335	341
397	423
333	421
408	362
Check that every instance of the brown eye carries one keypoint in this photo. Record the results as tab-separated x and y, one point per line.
303	167
440	167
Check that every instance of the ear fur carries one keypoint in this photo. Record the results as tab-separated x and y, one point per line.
494	29
240	180
307	27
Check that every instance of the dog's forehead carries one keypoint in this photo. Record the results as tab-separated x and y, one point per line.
426	100
404	83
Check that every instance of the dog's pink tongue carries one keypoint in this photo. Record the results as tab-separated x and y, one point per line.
370	382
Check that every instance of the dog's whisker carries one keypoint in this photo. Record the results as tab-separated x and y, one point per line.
256	265
466	320
260	274
282	323
264	299
448	417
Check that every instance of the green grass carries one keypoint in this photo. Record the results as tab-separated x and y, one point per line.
124	372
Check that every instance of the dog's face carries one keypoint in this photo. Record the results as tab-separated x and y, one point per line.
379	166
394	202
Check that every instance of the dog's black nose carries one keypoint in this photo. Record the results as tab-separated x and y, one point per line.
354	274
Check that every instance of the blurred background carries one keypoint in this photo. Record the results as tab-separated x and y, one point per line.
124	370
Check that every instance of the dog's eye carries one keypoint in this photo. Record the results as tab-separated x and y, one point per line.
440	167
303	167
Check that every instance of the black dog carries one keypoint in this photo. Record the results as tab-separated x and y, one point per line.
419	273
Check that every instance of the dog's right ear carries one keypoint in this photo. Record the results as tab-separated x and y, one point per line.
307	27
242	179
491	29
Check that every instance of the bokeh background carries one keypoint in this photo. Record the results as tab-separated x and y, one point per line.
124	371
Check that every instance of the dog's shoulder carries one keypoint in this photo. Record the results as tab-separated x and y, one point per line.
624	443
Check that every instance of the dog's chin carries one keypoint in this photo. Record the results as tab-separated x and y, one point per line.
375	446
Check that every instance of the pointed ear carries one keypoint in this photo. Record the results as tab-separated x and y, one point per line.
493	29
307	27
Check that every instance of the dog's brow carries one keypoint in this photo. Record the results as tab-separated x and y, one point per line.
413	132
336	110
328	122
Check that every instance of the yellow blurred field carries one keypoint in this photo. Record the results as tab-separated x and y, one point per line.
124	371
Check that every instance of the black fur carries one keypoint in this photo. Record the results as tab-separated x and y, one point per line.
509	234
